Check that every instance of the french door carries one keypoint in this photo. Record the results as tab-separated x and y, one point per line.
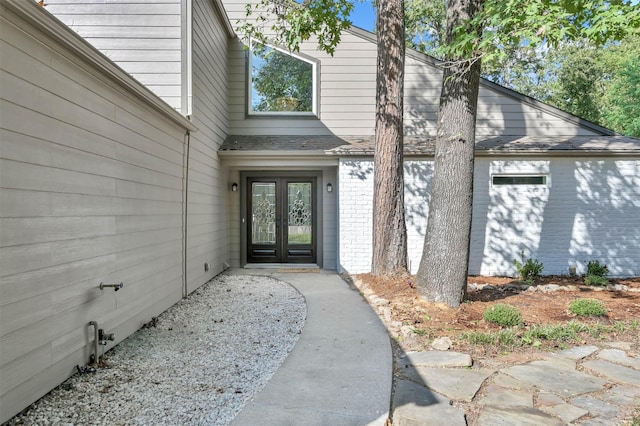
281	225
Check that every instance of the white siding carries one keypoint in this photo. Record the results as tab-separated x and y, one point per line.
207	239
90	191
141	36
590	210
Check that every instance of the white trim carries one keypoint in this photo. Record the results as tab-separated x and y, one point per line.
314	88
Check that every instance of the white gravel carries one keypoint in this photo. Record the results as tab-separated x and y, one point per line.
207	356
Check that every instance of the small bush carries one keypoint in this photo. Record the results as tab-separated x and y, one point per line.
528	269
594	267
596	280
503	315
596	273
588	307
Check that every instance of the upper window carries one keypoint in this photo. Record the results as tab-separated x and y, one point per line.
280	82
519	180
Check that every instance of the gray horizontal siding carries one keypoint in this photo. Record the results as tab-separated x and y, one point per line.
347	97
91	184
207	239
142	36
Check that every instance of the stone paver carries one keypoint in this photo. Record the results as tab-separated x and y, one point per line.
436	359
415	405
563	381
455	383
577	352
567	412
507	381
595	406
562	389
613	371
503	397
622	394
619	357
516	416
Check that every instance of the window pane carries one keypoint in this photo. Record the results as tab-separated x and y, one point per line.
300	215
263	213
519	180
280	82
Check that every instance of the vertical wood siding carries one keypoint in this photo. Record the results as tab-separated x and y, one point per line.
207	239
90	191
141	36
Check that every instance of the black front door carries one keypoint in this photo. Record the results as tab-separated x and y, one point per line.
282	220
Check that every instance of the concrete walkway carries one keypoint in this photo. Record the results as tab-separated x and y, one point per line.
339	372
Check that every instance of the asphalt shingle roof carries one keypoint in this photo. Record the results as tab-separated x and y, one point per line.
364	145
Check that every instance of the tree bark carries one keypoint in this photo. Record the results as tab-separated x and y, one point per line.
442	275
389	229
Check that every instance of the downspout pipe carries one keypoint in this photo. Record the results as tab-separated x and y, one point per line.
185	212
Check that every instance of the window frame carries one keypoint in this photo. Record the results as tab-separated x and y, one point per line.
544	176
314	81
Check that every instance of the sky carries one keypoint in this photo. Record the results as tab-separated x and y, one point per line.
364	15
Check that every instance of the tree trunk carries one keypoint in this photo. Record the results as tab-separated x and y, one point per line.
442	276
389	229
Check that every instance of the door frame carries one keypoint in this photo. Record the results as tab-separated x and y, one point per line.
245	175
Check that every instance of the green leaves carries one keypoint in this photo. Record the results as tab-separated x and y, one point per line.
544	22
289	24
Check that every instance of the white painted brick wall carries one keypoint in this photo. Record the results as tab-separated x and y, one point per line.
590	209
355	191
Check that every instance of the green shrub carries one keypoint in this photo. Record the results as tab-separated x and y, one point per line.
594	267
503	315
596	273
528	269
588	307
596	280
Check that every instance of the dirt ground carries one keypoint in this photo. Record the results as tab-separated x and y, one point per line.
432	320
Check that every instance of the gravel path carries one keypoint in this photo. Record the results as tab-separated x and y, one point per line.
206	357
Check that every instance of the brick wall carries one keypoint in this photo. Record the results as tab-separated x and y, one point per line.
589	209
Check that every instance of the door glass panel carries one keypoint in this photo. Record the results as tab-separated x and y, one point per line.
263	213
300	208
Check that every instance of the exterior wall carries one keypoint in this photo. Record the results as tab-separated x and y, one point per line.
343	79
590	210
347	96
329	219
207	188
498	113
91	191
343	110
141	36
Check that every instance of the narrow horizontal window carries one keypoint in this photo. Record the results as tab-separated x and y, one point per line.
519	180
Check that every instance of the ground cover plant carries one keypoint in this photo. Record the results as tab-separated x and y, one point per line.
503	315
588	307
547	321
